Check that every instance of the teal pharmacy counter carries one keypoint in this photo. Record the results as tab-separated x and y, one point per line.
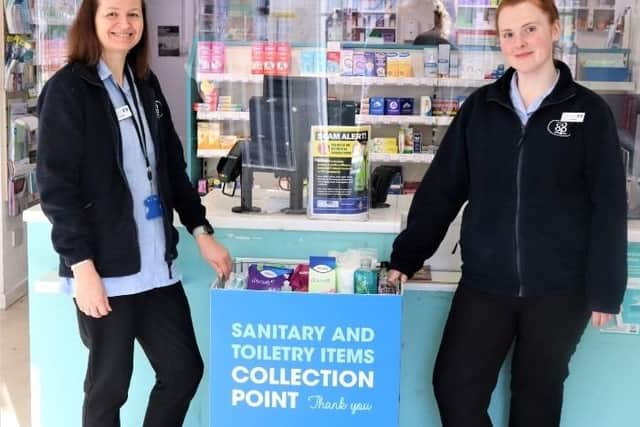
605	372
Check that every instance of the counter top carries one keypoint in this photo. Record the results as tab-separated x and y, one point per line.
385	220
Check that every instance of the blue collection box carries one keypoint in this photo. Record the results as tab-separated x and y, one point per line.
291	359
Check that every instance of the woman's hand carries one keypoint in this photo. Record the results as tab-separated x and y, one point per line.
91	296
598	319
215	254
394	275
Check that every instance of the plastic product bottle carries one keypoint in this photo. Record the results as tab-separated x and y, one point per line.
385	287
365	280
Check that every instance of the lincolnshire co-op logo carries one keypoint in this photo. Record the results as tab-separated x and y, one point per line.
558	128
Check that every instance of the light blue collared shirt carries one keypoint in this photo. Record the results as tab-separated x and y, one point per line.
154	272
525	112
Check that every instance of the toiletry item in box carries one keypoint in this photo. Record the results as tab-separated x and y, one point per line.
405	67
425	106
267	277
380	64
376	106
385	287
392	106
370	64
346	62
406	106
359	61
300	278
365	279
322	274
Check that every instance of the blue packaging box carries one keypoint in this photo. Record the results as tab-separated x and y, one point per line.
406	106
376	106
392	106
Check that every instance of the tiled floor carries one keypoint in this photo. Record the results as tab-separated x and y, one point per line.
14	366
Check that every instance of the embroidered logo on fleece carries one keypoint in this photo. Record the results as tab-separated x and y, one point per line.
157	105
559	128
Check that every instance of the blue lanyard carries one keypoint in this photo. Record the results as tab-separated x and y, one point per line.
139	130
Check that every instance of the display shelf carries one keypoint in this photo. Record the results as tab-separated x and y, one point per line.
406	81
227	77
223	115
401	158
204	153
362	119
382	81
609	86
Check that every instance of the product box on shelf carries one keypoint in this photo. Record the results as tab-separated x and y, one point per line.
406	106
346	62
359	63
376	106
269	66
217	57
392	64
208	134
283	58
369	64
257	57
405	67
391	106
380	64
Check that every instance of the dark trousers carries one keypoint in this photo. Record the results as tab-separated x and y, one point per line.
160	320
479	332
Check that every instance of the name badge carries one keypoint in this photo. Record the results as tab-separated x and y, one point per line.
572	117
123	112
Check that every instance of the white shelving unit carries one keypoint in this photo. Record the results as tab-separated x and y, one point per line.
407	81
203	153
401	158
363	119
223	115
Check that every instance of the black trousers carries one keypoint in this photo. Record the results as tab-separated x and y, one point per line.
160	320
479	332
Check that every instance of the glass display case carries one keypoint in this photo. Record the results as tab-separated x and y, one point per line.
407	92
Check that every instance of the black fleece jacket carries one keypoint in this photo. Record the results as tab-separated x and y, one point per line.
82	184
546	202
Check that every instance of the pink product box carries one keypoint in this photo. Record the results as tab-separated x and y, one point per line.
204	56
217	57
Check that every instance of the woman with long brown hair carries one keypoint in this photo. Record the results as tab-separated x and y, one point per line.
111	171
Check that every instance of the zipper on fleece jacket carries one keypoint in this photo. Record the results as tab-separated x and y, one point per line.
523	132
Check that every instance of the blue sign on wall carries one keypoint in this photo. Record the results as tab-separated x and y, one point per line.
286	359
